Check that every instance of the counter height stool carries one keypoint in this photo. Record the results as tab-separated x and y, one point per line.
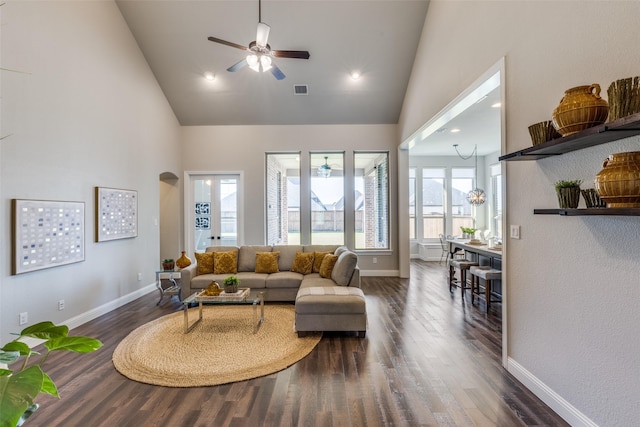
463	265
487	274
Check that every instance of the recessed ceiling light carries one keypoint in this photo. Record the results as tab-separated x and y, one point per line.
355	75
455	130
496	105
209	76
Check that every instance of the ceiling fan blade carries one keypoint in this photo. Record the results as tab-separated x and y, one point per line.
238	65
217	40
277	73
262	35
298	54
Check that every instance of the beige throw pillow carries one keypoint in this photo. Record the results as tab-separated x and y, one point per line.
225	262
267	262
302	263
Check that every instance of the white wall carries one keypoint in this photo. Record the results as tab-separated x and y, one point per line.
572	297
243	148
89	114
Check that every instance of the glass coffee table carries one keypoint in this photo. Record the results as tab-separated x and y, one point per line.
243	297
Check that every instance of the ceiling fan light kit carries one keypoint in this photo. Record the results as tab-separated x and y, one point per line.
260	54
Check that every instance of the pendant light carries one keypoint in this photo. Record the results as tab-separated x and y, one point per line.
324	170
477	196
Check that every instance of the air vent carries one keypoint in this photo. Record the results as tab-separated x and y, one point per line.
300	89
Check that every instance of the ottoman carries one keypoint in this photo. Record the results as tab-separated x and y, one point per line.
330	308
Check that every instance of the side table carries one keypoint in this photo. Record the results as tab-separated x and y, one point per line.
174	288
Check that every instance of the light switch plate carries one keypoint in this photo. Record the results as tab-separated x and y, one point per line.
515	232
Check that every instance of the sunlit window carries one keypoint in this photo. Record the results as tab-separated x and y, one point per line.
283	198
327	198
371	185
461	210
433	191
412	203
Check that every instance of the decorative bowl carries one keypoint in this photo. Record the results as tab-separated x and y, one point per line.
542	132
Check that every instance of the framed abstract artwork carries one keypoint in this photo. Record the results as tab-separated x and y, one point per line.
116	214
46	234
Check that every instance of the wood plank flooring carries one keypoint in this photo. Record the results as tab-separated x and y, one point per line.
427	360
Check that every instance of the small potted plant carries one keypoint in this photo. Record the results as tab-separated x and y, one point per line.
231	284
168	264
568	192
468	232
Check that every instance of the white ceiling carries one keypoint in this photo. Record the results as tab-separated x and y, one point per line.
376	38
478	124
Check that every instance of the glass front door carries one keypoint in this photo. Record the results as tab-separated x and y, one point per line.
215	211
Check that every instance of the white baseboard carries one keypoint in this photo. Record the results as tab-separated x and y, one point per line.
87	316
380	273
563	408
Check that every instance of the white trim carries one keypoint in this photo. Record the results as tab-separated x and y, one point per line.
563	408
380	273
94	313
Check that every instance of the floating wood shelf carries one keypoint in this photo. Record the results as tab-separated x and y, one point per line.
589	211
608	132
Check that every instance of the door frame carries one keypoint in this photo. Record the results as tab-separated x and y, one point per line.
188	204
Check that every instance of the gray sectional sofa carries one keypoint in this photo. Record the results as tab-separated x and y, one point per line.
322	303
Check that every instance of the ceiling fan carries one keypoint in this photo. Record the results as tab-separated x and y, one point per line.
260	54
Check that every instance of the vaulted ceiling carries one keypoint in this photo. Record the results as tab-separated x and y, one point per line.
377	39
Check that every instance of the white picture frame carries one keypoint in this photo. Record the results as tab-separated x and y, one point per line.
116	214
46	234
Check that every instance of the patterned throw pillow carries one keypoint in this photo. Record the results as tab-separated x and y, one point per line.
267	262
302	263
317	260
326	268
205	262
225	262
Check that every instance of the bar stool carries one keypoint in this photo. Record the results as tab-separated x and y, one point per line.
463	265
487	274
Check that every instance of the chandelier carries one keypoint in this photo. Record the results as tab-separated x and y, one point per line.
477	196
324	170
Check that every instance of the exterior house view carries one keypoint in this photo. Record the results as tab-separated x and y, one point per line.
89	100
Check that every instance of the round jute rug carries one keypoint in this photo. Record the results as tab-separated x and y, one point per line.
221	349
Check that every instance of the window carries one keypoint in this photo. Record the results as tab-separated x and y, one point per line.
433	191
461	212
283	199
412	203
371	188
327	198
496	205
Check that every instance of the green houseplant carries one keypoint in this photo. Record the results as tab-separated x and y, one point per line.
568	192
468	232
231	284
168	264
19	387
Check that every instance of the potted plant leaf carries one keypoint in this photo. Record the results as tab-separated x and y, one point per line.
231	284
568	192
19	387
468	232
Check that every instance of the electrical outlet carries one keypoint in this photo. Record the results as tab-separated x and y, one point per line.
61	305
24	317
515	232
139	277
374	260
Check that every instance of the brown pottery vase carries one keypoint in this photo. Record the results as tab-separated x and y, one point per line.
183	261
579	109
618	183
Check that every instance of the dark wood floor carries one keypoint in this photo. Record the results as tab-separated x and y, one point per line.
428	359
